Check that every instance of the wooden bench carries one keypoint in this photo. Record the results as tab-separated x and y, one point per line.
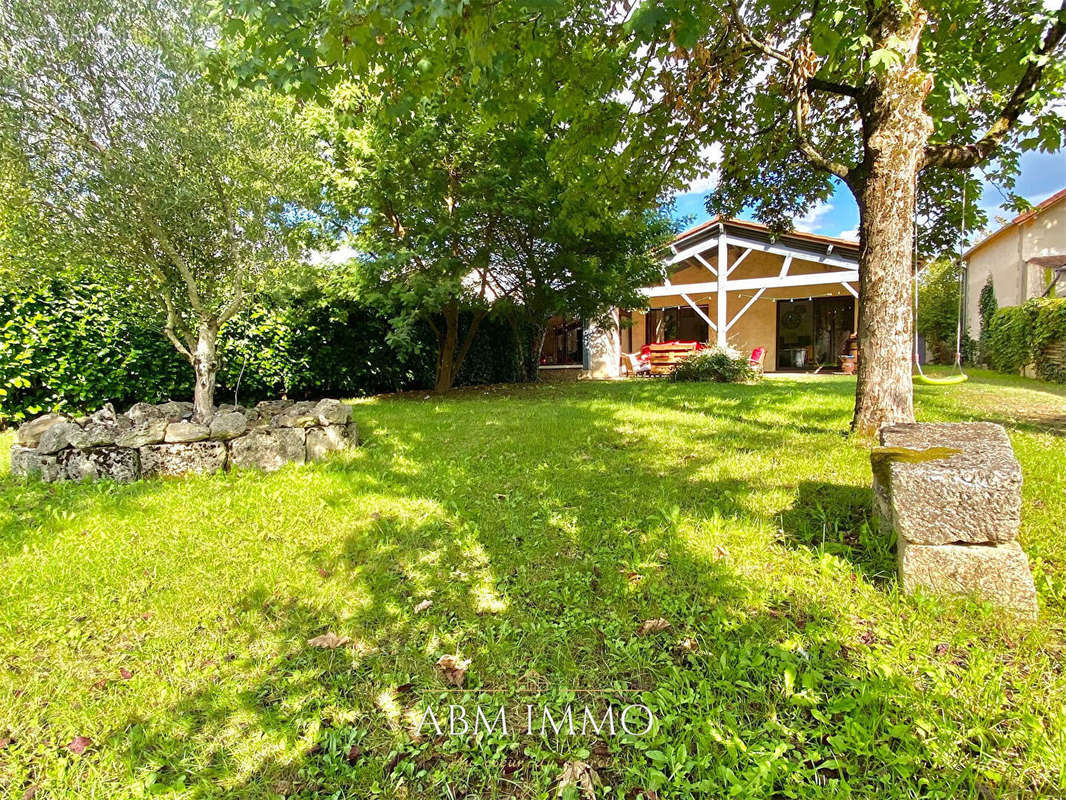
665	356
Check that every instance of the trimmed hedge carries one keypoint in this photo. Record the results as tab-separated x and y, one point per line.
74	348
1021	335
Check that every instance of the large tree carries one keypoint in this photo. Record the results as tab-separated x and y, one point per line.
885	96
170	185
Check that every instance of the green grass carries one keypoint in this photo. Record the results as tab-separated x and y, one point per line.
527	515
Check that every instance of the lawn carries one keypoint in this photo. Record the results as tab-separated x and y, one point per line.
167	621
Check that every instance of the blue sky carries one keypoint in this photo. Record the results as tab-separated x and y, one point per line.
1042	174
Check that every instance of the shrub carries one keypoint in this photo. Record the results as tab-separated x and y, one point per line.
72	348
1020	335
986	306
720	364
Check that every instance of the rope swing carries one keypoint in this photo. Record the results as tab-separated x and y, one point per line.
961	376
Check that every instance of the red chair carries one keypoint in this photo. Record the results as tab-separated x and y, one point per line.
757	356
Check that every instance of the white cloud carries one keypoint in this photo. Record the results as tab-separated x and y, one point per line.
710	156
812	219
342	254
852	234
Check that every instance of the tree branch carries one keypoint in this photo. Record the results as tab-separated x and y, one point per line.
183	267
963	156
833	87
801	102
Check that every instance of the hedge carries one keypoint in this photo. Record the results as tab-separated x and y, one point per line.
74	348
1023	335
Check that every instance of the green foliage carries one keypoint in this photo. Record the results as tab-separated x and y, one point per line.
719	364
986	308
1019	335
72	347
938	308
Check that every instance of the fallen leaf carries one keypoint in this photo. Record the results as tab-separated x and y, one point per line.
453	669
146	615
99	685
375	515
687	645
5	743
124	673
650	626
329	641
404	688
501	497
719	552
600	754
941	648
423	606
354	754
30	793
580	775
324	573
630	576
79	744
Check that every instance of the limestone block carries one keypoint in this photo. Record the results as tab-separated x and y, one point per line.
95	434
120	464
140	413
25	460
176	410
998	573
298	415
57	437
944	483
179	459
268	408
267	449
182	432
332	412
150	430
29	433
323	441
228	425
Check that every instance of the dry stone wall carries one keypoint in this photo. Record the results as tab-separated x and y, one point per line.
151	440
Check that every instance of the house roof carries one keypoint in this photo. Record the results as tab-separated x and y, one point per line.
798	238
1022	218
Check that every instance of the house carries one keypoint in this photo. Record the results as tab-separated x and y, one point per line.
731	281
1025	258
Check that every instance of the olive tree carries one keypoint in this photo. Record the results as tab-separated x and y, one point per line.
179	191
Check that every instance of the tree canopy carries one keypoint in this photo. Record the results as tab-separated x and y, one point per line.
133	162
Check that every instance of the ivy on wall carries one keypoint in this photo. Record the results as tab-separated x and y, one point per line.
1032	333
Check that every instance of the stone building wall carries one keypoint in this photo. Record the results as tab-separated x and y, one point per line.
151	440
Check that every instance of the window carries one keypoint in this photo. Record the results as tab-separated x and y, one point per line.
678	323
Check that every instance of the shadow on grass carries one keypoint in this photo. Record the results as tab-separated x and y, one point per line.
543	575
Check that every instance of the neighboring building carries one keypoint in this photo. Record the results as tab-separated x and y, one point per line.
1025	257
733	282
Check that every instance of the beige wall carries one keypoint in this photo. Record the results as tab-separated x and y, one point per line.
1004	256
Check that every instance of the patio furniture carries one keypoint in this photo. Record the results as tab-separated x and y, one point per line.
757	357
634	365
664	356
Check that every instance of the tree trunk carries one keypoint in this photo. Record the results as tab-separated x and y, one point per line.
536	347
898	129
452	351
205	365
446	357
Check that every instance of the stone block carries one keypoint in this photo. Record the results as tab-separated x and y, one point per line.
298	415
323	441
998	573
179	459
268	408
228	425
184	432
57	437
141	413
29	433
267	450
332	412
120	464
947	483
25	461
175	410
150	430
95	434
